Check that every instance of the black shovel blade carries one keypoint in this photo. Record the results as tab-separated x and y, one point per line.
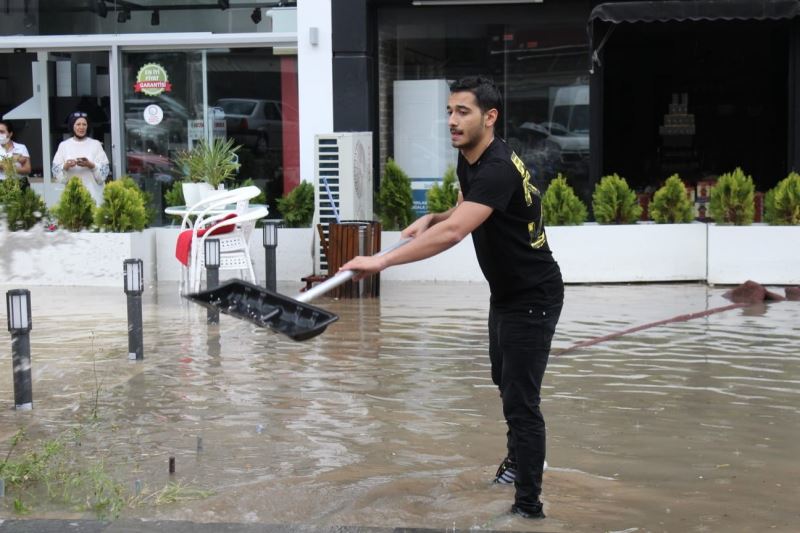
297	320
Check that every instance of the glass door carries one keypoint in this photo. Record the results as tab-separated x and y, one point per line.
163	113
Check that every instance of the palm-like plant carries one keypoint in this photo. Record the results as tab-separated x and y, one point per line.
213	162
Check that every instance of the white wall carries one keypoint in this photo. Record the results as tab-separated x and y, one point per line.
314	78
764	254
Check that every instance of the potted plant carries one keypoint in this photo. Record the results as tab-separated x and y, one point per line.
731	200
444	196
123	208
614	202
561	206
297	207
75	210
670	204
395	198
207	166
782	203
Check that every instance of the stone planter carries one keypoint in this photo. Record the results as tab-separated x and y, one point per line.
762	253
62	257
644	252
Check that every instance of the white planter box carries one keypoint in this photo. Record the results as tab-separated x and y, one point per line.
62	257
765	254
594	253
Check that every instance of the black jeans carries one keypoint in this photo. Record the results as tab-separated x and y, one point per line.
519	346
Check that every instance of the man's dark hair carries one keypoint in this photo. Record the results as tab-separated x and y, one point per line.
486	92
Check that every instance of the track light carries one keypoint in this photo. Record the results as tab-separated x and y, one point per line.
223	4
123	16
255	16
155	18
102	9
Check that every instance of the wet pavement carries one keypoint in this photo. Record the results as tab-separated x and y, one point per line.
390	420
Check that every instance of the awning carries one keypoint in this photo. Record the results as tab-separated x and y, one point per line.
684	10
677	10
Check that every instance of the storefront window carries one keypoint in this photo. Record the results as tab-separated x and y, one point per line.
172	100
539	60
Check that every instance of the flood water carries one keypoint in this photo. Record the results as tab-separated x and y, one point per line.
390	418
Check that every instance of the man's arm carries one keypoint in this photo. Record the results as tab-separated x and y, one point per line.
460	222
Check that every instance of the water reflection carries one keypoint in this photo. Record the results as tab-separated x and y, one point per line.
390	418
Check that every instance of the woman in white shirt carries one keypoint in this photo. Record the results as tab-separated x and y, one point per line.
82	156
16	151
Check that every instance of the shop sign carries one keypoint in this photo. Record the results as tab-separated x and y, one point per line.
153	114
152	80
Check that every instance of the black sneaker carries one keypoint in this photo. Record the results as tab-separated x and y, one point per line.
506	472
534	513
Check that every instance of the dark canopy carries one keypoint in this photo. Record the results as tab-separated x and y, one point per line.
682	10
678	10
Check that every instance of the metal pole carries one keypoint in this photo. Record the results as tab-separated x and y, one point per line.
21	360
135	329
362	247
212	282
270	273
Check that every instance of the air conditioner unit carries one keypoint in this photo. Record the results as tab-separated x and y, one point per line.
342	183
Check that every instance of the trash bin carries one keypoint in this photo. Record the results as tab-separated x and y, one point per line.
347	239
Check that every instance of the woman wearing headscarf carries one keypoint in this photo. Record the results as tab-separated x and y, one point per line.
82	156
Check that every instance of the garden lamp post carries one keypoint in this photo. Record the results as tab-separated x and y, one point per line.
270	241
18	306
134	286
211	255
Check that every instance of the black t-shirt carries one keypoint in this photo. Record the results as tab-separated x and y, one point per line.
511	245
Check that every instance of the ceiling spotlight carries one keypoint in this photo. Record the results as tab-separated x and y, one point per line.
101	8
223	4
123	16
155	18
255	16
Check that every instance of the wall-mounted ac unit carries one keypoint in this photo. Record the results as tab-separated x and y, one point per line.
342	183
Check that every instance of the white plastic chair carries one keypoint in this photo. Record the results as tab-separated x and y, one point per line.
218	213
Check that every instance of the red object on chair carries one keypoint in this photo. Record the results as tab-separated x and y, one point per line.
184	243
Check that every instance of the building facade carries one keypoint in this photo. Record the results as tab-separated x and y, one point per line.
590	88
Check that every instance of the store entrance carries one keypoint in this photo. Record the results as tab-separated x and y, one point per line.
697	99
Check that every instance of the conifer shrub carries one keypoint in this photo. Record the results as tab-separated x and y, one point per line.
782	203
395	201
297	207
561	206
9	188
75	210
444	196
123	208
670	204
24	210
731	199
614	202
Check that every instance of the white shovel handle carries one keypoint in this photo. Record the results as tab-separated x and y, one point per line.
341	277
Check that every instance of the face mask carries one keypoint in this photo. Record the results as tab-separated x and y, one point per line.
3	139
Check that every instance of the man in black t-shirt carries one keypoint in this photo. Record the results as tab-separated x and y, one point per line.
502	209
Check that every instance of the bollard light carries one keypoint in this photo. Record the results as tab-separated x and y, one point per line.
18	307
270	240
270	233
134	286
134	277
212	253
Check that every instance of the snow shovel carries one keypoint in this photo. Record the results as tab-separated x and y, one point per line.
294	317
